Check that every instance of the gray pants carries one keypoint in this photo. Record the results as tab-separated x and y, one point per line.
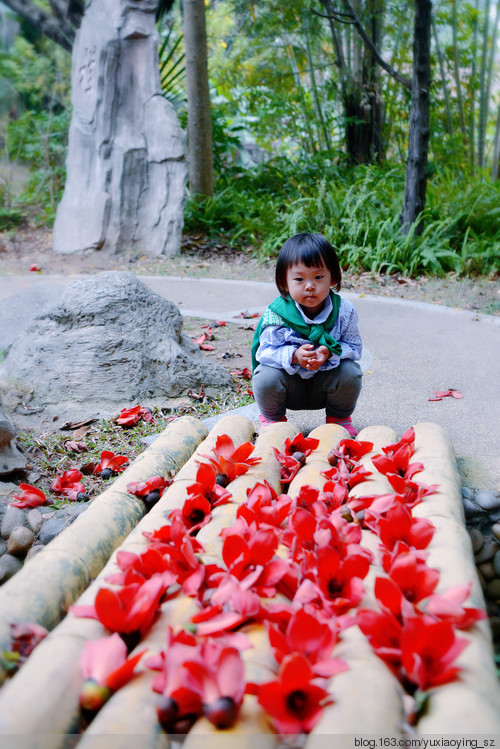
337	390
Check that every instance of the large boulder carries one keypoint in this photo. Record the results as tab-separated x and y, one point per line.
109	340
125	170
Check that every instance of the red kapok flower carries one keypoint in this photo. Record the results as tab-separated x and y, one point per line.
105	669
230	462
206	486
300	444
30	497
25	637
130	609
196	512
293	701
223	683
428	651
131	416
110	464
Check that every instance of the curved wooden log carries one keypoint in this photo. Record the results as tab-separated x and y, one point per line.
52	674
471	704
50	582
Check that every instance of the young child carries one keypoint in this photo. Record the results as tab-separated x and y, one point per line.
307	343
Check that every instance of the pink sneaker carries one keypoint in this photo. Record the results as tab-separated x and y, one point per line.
346	423
265	422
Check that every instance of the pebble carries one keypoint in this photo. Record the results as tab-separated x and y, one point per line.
35	549
496	530
13	517
477	540
487	571
35	520
20	541
487	552
50	529
3	546
488	500
495	627
9	565
470	508
468	493
493	590
496	563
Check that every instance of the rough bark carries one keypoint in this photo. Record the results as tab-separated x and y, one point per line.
201	180
416	168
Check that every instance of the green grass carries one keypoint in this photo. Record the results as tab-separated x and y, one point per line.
358	209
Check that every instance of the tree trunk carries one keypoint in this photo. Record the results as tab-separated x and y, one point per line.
201	180
416	168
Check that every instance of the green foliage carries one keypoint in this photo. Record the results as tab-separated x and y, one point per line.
358	209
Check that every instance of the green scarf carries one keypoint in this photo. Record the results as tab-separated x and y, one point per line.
284	312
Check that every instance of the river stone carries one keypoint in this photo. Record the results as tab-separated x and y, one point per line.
109	341
477	539
496	530
126	169
35	549
50	529
13	517
487	571
493	590
35	520
9	565
20	540
496	563
487	552
488	500
3	546
11	459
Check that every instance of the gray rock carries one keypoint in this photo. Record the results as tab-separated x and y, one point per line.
487	552
50	529
126	170
9	565
3	546
13	517
468	493
493	590
496	563
487	571
20	540
496	530
109	339
488	500
477	539
11	459
470	509
35	520
35	549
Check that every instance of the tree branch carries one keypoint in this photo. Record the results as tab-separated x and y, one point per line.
59	31
351	14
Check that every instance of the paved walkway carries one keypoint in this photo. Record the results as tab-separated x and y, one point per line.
413	348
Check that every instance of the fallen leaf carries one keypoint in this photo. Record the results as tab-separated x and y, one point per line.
197	396
75	447
81	432
78	424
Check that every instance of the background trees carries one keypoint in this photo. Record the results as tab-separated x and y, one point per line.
311	127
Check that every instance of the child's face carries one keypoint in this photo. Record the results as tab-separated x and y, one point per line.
309	287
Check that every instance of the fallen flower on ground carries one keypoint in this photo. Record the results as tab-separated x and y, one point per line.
30	497
294	700
129	417
68	484
440	394
149	490
25	637
105	669
110	464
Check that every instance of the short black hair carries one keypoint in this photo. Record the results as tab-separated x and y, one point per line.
312	250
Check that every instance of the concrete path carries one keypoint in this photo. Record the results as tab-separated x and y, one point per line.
413	348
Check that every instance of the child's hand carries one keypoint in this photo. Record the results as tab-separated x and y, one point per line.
309	357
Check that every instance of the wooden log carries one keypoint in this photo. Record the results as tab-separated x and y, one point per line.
329	436
35	686
51	581
368	698
471	704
